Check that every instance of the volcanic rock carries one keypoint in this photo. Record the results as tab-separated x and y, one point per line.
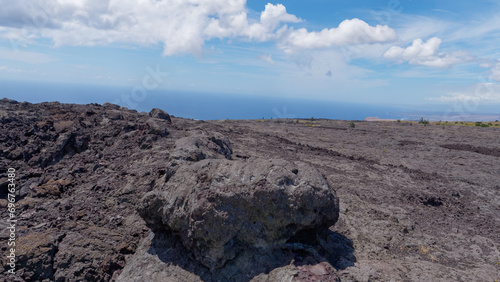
220	207
201	146
417	203
161	114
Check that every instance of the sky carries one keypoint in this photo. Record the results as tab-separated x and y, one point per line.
391	52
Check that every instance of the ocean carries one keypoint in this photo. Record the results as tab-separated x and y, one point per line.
209	106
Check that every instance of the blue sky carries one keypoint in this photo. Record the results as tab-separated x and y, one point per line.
381	52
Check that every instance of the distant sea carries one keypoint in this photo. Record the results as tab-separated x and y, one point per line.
209	106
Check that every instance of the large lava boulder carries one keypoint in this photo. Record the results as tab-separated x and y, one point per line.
219	207
201	146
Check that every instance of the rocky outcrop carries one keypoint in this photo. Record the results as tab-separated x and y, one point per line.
219	208
161	114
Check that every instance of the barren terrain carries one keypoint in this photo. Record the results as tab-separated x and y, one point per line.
417	203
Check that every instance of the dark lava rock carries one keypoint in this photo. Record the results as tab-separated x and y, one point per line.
161	114
220	207
202	146
82	171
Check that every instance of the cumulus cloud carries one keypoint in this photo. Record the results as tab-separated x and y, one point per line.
426	54
348	32
182	27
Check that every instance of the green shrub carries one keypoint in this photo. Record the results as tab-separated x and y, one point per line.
352	125
424	121
478	123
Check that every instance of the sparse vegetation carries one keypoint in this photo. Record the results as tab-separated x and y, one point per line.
352	125
423	121
481	124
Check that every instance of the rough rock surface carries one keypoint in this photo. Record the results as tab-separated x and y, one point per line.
219	207
201	146
417	203
161	114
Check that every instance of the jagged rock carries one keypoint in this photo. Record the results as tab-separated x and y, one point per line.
52	188
35	253
385	216
202	146
161	114
220	207
155	128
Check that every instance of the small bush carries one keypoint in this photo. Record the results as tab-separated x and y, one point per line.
478	123
352	125
398	120
424	121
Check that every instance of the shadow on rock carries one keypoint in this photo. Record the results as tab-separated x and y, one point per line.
303	253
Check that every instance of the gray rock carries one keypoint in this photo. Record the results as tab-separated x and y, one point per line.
220	207
161	114
201	146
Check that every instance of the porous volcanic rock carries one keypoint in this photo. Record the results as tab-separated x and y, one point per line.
202	146
220	207
161	114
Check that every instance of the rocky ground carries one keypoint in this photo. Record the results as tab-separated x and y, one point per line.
416	203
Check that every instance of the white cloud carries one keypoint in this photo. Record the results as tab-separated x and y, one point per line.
266	58
426	54
238	25
457	97
348	32
182	27
479	93
495	72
